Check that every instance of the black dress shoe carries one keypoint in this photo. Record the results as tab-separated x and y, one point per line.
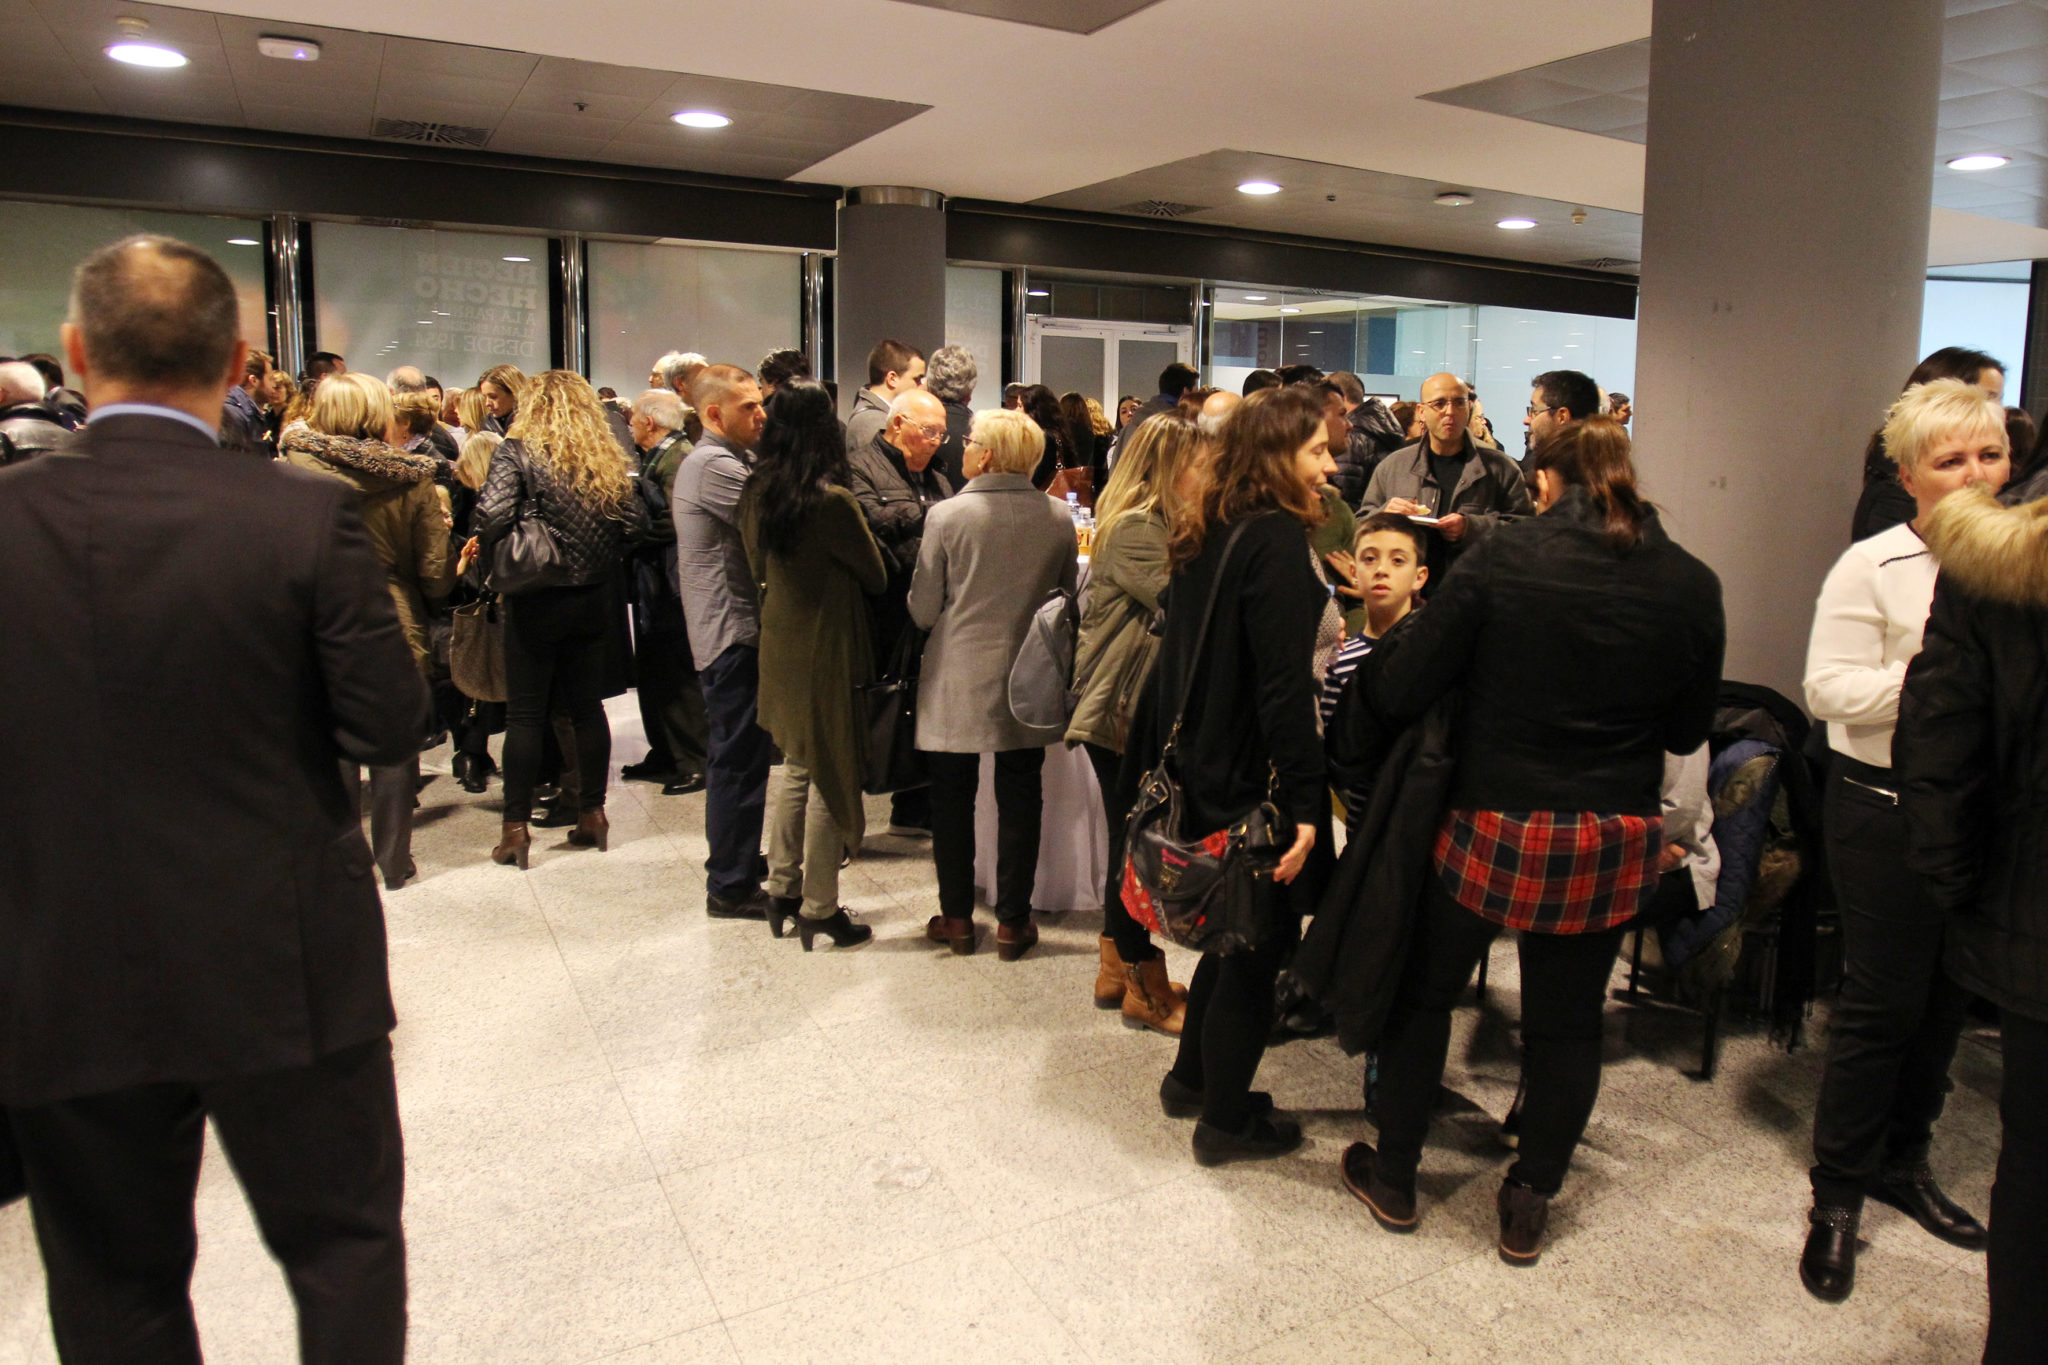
1182	1101
557	816
1264	1137
1523	1215
839	927
781	910
683	785
1828	1265
749	907
1392	1209
1912	1191
647	770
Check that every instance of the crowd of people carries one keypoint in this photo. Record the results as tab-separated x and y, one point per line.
1502	674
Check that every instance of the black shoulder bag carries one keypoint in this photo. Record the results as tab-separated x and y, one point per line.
1199	893
528	556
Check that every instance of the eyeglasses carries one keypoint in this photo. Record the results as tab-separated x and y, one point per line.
930	433
1537	409
1447	404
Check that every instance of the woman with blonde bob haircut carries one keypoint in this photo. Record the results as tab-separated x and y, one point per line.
1002	441
561	457
352	433
1113	662
1893	1034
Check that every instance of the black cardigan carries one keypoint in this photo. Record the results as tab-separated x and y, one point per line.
1253	706
1582	665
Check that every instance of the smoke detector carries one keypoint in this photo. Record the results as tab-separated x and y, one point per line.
289	49
1453	199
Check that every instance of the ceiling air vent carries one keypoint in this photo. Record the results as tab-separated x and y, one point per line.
433	134
1607	263
1160	208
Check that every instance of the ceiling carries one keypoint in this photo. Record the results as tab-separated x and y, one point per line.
1061	101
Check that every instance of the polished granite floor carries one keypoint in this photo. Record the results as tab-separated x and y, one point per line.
641	1137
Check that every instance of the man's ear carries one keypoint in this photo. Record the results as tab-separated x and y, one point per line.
1421	576
73	342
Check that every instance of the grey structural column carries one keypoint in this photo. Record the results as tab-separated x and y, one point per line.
811	305
288	330
891	277
574	323
1785	216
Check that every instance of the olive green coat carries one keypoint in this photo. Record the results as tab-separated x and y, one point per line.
815	648
1338	532
1116	651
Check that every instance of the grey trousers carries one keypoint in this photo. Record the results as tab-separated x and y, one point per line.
392	793
804	843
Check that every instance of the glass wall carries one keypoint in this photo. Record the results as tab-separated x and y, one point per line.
974	319
1983	307
452	303
732	306
45	242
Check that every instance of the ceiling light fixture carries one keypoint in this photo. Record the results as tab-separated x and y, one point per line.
1980	161
701	118
1516	224
1038	293
243	241
1452	199
518	260
1254	298
289	49
1258	187
134	52
1290	310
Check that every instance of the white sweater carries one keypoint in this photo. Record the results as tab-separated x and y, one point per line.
1866	630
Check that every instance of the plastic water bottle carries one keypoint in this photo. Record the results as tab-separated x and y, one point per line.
1074	506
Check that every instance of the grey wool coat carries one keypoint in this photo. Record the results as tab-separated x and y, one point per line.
991	553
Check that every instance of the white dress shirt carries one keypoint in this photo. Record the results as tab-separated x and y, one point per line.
1866	630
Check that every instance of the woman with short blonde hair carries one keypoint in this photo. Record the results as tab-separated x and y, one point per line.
1009	442
352	404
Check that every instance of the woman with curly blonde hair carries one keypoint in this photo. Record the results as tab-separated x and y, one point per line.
562	460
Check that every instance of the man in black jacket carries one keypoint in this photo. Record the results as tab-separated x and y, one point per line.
29	423
193	933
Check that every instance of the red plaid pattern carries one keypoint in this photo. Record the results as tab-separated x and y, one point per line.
1555	872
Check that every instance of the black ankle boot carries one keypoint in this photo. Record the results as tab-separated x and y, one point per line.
838	926
1828	1265
1912	1191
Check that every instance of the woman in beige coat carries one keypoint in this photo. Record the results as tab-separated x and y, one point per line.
349	436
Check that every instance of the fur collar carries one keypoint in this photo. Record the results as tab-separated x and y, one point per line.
358	455
1996	552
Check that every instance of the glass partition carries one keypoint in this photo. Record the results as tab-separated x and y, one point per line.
1982	307
974	319
731	306
44	243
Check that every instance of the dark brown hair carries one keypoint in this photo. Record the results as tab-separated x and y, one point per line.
1594	455
1254	467
155	311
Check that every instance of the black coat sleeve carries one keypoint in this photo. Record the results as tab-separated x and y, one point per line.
1282	607
375	695
1942	752
1692	713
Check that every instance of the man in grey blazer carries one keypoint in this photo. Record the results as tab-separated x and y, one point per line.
192	932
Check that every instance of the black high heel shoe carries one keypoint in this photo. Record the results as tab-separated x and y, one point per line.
839	927
781	910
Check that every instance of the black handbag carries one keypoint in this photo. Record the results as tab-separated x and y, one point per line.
476	650
528	556
888	713
1199	893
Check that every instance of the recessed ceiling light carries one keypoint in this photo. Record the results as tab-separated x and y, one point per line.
518	260
289	49
1254	298
1453	199
146	54
1290	310
1258	187
701	118
1038	293
243	241
1981	161
426	322
1516	224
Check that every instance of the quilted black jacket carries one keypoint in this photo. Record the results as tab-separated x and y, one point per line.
593	538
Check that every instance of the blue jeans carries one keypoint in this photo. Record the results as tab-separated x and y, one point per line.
735	774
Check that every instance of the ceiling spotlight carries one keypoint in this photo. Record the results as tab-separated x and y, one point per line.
1981	161
289	49
1254	298
243	241
1516	224
1258	187
1038	293
1453	199
701	118
133	51
1290	310
518	260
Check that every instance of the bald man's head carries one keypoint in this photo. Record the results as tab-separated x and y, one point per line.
1215	409
1446	411
151	312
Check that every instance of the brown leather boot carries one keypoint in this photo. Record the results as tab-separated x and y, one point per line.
956	932
592	830
1150	1001
1109	977
513	844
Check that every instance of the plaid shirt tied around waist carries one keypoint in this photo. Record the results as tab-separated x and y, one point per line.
1552	872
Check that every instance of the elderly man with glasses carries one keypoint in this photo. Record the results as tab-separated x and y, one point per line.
1464	488
896	478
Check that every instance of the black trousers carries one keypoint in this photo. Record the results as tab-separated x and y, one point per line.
393	790
956	779
1133	943
1564	993
1893	1032
555	641
670	696
1230	1016
2019	1199
735	774
318	1152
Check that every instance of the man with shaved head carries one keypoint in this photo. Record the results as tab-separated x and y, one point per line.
191	922
29	424
1215	408
896	477
1467	487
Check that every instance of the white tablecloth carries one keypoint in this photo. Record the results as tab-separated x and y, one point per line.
1073	846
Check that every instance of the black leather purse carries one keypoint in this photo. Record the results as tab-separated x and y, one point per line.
1198	893
888	713
528	557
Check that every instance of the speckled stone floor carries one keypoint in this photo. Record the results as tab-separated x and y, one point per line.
638	1136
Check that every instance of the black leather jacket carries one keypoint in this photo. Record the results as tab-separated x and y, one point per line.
32	429
593	539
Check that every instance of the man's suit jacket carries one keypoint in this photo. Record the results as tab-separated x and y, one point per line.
189	642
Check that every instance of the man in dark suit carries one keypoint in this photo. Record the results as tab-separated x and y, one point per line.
193	931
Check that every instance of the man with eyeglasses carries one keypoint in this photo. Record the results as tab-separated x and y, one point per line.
1467	487
896	478
1557	397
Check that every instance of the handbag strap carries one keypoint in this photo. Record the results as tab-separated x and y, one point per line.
1187	686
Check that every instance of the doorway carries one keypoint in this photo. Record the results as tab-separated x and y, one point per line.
1102	360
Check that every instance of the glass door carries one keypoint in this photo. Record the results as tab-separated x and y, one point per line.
1102	360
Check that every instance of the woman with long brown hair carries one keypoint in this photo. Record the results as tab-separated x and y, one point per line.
561	455
1248	734
503	389
1585	645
